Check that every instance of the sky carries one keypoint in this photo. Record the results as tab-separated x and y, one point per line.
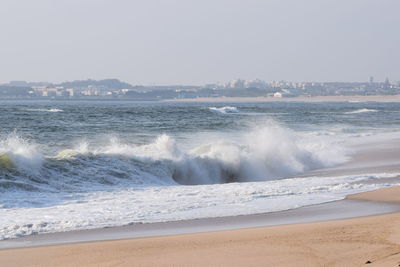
197	42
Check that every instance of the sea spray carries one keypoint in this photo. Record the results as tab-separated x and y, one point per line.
264	153
17	152
224	110
118	162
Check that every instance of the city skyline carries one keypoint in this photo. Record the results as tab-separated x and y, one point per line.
370	79
116	89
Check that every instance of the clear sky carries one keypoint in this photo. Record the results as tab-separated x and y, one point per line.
196	42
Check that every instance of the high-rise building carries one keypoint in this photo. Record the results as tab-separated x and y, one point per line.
386	83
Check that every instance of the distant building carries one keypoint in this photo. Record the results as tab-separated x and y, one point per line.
386	84
18	83
255	84
70	92
237	84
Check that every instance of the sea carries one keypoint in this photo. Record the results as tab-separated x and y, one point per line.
72	165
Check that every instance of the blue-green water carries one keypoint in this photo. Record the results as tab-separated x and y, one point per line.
63	122
73	165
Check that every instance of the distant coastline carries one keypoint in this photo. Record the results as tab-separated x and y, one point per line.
353	98
222	99
251	90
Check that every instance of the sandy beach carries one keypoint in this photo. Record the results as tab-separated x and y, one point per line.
362	229
199	133
297	239
353	242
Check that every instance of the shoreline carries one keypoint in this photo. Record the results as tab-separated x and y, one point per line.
350	242
221	99
355	98
347	208
353	231
362	162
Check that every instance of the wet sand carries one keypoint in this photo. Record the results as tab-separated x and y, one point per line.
310	236
342	209
350	242
374	158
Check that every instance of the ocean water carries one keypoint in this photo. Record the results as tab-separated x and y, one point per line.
80	165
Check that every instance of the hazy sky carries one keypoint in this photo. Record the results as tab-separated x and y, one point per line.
202	41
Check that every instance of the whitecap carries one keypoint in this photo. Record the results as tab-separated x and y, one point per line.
363	110
45	110
224	110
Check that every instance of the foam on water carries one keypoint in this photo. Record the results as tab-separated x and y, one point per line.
114	163
264	153
170	203
224	110
103	184
46	110
17	152
363	110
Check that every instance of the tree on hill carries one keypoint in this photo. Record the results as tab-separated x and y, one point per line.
107	83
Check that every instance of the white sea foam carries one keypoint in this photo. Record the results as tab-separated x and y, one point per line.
363	110
224	110
18	152
46	110
96	184
264	153
109	167
171	203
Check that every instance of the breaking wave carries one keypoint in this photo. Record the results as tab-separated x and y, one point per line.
19	153
224	110
363	110
46	110
265	153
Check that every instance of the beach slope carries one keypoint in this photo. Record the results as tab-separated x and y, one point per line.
371	240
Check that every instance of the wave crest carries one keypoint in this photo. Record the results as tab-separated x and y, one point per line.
224	110
363	110
45	110
265	153
17	152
